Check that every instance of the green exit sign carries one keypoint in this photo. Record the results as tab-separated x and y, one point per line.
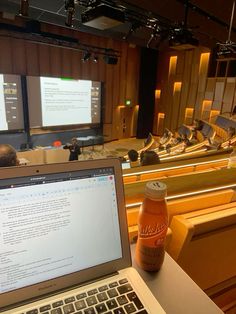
128	102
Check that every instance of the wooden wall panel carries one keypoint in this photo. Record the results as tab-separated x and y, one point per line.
6	64
55	61
32	61
226	108
19	57
229	91
101	67
44	60
109	93
219	89
175	110
216	105
66	63
123	71
23	57
210	89
185	88
76	64
132	77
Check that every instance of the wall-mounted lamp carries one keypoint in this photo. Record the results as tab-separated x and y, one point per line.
24	8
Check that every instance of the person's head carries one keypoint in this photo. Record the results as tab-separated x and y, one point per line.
122	159
231	131
133	155
74	141
8	156
149	157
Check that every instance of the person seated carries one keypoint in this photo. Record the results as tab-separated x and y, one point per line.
8	156
133	158
74	149
214	143
198	125
230	134
149	157
148	139
167	135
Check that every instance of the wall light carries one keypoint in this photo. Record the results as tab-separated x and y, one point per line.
24	8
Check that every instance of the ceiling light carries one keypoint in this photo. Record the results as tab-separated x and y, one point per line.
24	8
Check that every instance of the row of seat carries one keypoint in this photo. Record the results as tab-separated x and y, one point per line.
202	225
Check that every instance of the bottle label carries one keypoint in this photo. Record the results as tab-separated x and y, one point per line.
149	231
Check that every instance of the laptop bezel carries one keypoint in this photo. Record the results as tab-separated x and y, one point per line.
33	292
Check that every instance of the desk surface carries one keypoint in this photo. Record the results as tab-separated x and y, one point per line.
176	291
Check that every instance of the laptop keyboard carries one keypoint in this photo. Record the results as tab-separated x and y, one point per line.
117	297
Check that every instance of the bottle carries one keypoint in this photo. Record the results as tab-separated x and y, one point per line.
232	159
152	227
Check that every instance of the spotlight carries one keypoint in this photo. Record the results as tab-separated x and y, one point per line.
70	8
95	59
86	56
24	8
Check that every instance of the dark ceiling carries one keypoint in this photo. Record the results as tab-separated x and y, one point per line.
208	20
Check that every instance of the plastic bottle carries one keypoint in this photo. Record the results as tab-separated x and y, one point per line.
232	159
152	225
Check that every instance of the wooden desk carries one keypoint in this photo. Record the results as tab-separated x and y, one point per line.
134	192
53	155
34	156
176	291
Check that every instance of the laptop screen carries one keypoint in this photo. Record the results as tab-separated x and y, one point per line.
55	224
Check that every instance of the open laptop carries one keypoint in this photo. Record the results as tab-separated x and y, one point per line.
64	245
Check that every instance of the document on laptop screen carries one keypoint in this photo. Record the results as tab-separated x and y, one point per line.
56	224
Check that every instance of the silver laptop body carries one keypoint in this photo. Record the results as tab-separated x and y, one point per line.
64	242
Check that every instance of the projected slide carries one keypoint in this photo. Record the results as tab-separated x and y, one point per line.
63	101
11	108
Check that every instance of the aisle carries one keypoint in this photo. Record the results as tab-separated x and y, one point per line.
117	148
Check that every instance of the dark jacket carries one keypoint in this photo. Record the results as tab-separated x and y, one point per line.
74	151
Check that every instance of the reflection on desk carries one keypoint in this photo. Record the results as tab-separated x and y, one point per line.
23	161
175	290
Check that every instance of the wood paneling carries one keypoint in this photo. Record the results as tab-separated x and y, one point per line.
196	90
32	62
210	89
21	56
55	61
44	60
6	64
229	91
18	56
219	89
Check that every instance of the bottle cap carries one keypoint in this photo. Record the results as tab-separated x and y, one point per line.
155	190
